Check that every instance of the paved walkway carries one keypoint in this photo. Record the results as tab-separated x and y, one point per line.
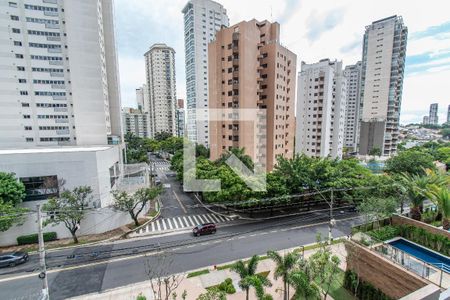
197	285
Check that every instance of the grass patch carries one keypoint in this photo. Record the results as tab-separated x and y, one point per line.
228	266
337	290
198	273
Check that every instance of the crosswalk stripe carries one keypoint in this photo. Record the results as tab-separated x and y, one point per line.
175	224
164	224
201	219
208	218
158	225
195	219
185	223
221	218
170	223
214	217
180	222
191	221
153	226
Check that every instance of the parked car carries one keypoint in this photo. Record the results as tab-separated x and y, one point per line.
13	259
206	228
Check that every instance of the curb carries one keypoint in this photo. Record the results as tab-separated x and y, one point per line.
214	212
158	214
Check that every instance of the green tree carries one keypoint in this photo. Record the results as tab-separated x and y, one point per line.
212	294
69	208
284	265
303	286
445	133
441	197
136	149
12	193
377	208
375	152
135	203
411	161
249	278
161	136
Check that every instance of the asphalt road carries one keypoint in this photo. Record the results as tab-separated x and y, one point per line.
93	269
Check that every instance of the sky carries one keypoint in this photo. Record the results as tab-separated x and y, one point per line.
313	29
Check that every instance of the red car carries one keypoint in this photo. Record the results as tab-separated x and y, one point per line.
206	228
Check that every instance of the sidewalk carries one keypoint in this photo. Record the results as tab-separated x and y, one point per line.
197	285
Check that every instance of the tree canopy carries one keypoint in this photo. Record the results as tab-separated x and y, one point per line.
411	161
12	193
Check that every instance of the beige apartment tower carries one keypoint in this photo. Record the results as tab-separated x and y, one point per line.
249	69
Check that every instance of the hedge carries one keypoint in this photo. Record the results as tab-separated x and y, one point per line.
33	238
365	290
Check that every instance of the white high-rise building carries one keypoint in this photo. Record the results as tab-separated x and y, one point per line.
383	65
433	117
142	99
160	72
321	102
351	133
135	122
59	82
202	19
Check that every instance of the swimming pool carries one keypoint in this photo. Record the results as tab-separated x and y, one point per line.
422	253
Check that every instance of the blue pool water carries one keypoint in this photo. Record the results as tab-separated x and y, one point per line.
422	253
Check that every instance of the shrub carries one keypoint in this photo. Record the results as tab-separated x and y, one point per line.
364	290
198	273
141	297
33	238
384	233
225	286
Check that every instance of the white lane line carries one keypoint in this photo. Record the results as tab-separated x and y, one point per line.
185	222
195	219
216	220
190	220
208	218
181	203
153	226
170	224
158	225
201	219
164	224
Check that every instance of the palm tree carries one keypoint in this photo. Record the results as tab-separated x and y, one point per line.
249	278
304	288
416	188
284	264
441	197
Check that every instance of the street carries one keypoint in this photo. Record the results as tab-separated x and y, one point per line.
88	269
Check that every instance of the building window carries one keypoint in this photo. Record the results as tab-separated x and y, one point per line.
25	104
16	30
17	43
41	187
29	140
20	68
12	4
22	80
28	128
14	18
23	93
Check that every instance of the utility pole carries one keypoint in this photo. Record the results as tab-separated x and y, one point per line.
43	268
332	221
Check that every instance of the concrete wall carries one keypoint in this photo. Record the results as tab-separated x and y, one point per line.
401	220
371	267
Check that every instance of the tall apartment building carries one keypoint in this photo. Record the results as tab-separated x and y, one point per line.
433	116
202	19
426	120
136	122
142	99
59	81
448	114
249	69
160	74
352	73
383	65
321	102
180	118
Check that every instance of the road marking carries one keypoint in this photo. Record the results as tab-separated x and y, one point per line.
213	216
175	223
201	219
158	225
195	219
207	218
170	223
153	226
180	222
190	220
164	224
179	201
